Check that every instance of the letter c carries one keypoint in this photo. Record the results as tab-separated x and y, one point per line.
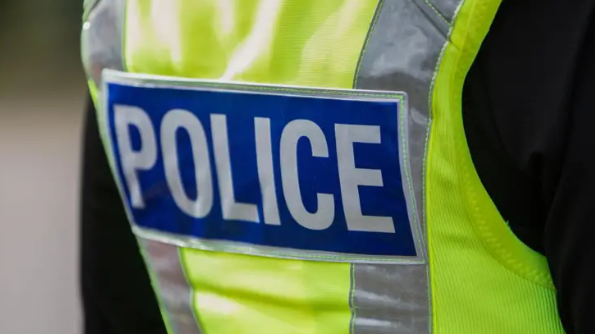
293	131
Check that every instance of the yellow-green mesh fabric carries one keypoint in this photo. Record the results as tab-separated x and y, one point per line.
305	42
484	280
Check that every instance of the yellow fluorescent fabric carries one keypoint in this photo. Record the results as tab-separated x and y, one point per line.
244	294
304	42
484	280
298	42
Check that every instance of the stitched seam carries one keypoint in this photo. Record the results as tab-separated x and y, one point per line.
352	301
123	36
193	301
164	237
291	90
432	316
405	150
368	37
502	254
490	241
442	17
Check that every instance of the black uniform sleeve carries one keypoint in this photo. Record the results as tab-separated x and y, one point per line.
116	291
529	112
568	237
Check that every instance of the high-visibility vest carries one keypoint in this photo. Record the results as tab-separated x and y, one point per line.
300	166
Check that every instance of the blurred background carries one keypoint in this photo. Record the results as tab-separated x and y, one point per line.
42	94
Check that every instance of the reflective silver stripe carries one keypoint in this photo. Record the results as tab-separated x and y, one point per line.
87	6
171	283
447	8
101	38
432	15
390	299
266	251
402	54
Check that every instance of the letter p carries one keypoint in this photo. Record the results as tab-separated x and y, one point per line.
133	161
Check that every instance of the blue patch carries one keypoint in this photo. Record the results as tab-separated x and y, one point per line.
303	127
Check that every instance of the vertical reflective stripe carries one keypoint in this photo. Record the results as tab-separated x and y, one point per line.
101	47
447	8
101	39
175	292
87	6
390	299
433	16
402	54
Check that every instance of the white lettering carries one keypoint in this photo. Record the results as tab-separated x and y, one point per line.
173	121
324	216
231	209
133	161
266	176
351	177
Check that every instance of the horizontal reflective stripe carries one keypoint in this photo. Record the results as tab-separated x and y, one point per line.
290	168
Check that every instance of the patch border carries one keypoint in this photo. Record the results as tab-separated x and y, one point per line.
154	81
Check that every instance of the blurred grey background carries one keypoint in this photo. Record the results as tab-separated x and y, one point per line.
42	94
